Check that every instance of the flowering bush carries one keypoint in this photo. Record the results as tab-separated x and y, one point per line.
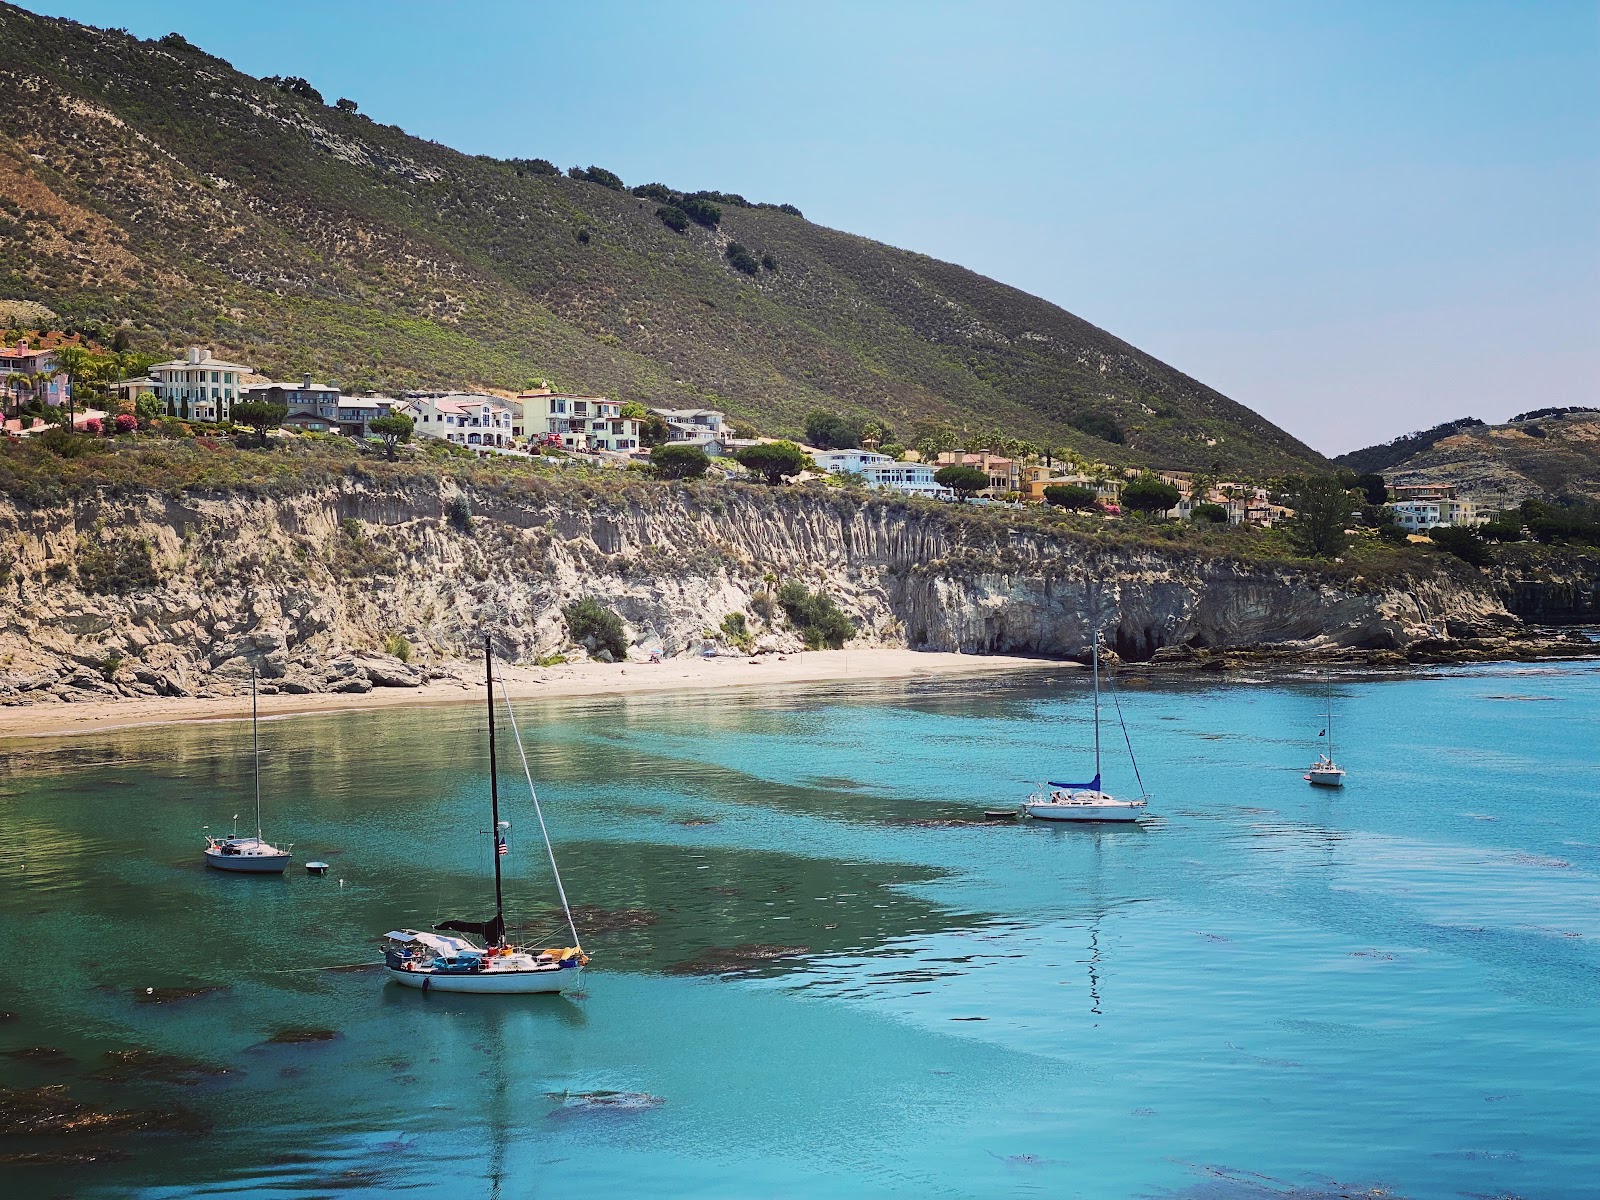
92	425
126	422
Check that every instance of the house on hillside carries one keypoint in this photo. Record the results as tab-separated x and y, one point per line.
198	386
1419	516
357	413
463	418
694	426
20	369
586	424
313	407
1005	474
881	471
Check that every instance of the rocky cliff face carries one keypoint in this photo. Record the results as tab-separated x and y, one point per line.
151	594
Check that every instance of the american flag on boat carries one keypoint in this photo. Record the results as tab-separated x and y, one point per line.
500	846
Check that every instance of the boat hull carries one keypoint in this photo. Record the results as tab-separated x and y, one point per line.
1084	812
1327	779
249	864
504	983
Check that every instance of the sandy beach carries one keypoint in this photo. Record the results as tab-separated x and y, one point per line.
545	683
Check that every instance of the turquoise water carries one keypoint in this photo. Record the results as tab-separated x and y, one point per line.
1266	990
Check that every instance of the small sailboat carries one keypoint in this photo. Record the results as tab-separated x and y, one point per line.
1084	801
252	855
430	960
1325	772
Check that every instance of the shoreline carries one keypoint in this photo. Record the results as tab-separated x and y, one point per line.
574	681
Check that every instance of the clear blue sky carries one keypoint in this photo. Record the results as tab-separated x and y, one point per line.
1359	218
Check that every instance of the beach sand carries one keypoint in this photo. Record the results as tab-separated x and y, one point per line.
544	683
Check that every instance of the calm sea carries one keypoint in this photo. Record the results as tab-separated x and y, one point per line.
813	976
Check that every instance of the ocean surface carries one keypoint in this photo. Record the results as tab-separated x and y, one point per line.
814	974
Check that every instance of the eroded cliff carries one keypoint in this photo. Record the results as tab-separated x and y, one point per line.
145	593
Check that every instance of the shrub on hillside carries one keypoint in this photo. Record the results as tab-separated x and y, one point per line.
1464	543
701	212
1214	513
534	166
768	263
742	259
659	192
1100	425
605	178
458	511
679	462
115	566
830	431
126	423
673	217
818	620
592	624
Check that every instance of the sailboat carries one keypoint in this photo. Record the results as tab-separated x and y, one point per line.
253	855
433	960
1084	801
1325	772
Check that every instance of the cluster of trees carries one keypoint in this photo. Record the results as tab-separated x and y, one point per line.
1397	450
593	174
1552	412
742	260
662	194
1098	425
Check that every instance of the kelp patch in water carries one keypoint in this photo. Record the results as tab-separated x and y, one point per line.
603	1101
52	1111
301	1037
175	995
42	1056
729	960
151	1066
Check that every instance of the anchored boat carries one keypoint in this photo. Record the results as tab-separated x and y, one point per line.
1085	801
1325	772
251	855
433	961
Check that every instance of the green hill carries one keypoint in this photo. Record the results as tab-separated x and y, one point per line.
151	184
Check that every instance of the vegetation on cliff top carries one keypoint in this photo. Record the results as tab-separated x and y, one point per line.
150	182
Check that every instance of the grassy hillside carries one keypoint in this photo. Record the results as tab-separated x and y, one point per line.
152	183
1387	454
1554	457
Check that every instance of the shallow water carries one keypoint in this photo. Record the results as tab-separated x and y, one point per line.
1266	990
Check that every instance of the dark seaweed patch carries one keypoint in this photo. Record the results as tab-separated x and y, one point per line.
728	960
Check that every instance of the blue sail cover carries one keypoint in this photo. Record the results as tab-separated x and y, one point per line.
1092	786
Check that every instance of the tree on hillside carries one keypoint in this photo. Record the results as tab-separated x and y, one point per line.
1072	496
1148	494
1321	511
259	415
963	480
1100	425
673	217
679	462
740	257
701	212
653	430
829	431
632	410
775	461
148	408
394	428
1214	513
1377	492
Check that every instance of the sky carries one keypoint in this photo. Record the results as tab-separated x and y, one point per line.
1357	218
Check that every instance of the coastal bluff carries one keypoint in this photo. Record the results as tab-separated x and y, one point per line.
371	583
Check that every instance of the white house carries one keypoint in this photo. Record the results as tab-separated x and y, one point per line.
198	386
466	419
913	478
852	462
1419	516
694	426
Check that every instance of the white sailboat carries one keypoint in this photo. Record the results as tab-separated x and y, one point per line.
1325	772
1084	801
432	961
250	855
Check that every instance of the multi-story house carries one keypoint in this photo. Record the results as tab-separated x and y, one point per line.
881	471
1005	474
694	426
465	419
582	423
312	406
30	372
357	413
199	386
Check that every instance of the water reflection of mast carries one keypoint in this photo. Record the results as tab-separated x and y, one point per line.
498	1114
1094	962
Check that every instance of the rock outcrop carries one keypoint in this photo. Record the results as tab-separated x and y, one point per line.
361	586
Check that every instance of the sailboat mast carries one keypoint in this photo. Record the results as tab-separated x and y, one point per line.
255	747
494	791
1097	708
1329	680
